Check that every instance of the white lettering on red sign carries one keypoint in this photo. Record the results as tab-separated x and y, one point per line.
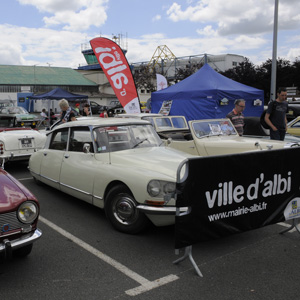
111	62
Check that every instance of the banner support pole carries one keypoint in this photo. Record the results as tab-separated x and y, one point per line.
293	225
188	253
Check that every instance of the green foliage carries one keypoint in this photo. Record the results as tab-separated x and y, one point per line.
288	74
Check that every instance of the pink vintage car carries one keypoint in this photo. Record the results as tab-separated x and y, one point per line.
19	211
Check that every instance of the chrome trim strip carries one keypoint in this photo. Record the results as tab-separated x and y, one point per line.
77	190
165	210
45	177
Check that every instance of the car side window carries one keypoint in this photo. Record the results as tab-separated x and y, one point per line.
78	137
59	140
178	123
101	138
163	122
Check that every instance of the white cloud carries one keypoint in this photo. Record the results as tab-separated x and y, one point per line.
156	18
236	17
293	53
75	15
207	31
30	46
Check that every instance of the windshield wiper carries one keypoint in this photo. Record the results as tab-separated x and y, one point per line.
140	142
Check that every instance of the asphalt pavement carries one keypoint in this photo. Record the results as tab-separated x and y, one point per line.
80	256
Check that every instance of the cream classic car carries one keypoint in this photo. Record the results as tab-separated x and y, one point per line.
17	143
206	137
120	165
293	127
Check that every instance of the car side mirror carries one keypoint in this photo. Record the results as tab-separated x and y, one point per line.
86	148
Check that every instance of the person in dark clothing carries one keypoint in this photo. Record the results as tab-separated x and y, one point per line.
67	114
86	110
276	115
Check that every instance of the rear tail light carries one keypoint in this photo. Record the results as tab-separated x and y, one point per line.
1	148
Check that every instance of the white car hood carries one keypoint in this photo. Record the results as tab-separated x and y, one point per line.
157	159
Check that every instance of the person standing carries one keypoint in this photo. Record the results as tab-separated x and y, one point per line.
67	114
236	115
86	110
276	115
77	107
104	114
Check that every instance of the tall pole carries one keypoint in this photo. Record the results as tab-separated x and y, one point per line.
274	57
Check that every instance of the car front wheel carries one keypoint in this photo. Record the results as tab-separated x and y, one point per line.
121	210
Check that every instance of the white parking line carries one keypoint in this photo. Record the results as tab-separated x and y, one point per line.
145	285
287	225
21	179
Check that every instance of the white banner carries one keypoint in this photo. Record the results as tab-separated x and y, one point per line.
161	82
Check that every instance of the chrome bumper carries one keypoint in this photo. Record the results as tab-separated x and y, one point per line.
165	210
7	246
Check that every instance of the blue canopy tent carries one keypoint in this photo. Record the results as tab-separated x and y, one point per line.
58	94
207	95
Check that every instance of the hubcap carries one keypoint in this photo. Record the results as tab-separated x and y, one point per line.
124	210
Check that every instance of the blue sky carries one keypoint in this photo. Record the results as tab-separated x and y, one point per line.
51	32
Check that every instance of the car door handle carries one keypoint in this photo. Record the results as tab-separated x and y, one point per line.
66	155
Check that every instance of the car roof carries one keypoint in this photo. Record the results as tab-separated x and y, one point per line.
103	122
139	115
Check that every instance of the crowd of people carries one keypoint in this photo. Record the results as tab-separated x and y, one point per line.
275	116
68	113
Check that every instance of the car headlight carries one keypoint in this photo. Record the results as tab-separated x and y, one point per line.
28	212
159	188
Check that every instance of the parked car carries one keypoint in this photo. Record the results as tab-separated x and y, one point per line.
17	143
206	137
116	164
253	128
23	117
294	127
6	103
19	211
293	110
114	108
96	108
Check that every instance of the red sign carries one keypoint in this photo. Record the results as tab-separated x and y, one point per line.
115	66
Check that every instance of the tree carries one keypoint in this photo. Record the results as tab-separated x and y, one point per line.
144	78
244	73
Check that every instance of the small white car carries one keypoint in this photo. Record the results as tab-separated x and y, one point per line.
206	137
17	143
120	165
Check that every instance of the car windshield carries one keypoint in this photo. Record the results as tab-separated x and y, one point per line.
6	122
179	122
117	138
167	123
13	110
213	128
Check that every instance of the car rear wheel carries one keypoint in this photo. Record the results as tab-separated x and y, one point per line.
121	210
24	251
